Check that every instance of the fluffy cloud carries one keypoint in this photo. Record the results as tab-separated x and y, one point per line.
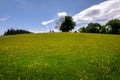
61	15
61	18
3	19
104	11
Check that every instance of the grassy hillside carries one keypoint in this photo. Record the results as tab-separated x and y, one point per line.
60	56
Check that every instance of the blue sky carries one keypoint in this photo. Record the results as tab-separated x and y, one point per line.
30	14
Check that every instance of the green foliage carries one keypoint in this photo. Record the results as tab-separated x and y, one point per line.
93	28
114	26
60	56
67	24
14	32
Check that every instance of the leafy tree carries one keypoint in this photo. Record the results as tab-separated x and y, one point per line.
67	24
93	27
114	26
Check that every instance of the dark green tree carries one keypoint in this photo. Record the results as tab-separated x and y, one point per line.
114	26
93	27
68	24
17	31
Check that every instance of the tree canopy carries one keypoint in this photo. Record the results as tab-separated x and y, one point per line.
68	24
93	28
114	26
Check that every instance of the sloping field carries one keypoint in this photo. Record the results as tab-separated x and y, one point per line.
60	56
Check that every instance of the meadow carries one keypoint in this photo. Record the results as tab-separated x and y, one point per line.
60	56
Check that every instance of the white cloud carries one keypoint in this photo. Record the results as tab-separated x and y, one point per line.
45	23
61	15
104	11
3	19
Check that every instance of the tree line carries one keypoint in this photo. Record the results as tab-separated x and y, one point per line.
111	27
16	31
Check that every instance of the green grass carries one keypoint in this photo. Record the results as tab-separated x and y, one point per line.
60	56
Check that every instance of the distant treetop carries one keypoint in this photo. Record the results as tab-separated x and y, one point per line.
16	31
